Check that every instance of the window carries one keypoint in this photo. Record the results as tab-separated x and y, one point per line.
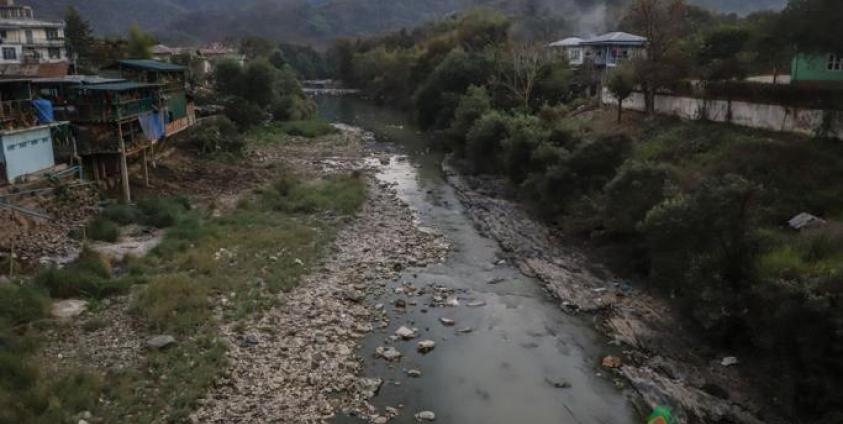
4	34
9	53
835	62
574	55
11	147
52	34
54	52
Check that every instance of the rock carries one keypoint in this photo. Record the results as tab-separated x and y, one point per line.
729	361
612	362
447	322
414	373
496	281
465	330
369	387
70	308
476	304
400	303
425	416
82	422
388	353
425	346
804	220
355	296
406	333
380	419
160	342
559	384
249	341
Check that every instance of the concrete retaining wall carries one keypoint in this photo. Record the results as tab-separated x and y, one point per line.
808	122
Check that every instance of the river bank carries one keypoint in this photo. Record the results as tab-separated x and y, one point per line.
662	361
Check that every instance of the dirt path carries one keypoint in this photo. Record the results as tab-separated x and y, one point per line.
663	363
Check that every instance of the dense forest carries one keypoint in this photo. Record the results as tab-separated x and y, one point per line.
697	210
320	21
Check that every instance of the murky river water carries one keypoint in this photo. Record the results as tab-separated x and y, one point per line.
521	341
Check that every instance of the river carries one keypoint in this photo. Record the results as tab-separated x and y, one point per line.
522	348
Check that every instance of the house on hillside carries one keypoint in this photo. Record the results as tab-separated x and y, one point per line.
817	69
28	46
179	110
593	57
603	51
28	131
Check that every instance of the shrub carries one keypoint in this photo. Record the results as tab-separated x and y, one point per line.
244	113
473	105
163	212
87	276
102	229
122	214
20	304
173	303
596	162
525	134
484	142
216	135
701	247
637	188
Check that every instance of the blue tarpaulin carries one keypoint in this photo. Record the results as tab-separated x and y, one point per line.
153	125
43	111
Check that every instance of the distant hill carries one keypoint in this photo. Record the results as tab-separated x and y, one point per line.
320	21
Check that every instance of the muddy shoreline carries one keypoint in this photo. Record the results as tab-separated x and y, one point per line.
662	363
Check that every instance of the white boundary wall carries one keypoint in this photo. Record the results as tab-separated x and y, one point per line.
755	115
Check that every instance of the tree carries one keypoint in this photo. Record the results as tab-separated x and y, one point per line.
228	78
662	22
140	43
518	71
621	84
720	54
257	47
474	104
814	25
78	33
773	51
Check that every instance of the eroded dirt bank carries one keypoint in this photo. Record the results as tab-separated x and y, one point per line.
662	362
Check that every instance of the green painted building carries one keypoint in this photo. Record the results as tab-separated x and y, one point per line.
817	69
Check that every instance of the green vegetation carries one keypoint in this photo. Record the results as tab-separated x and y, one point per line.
216	135
310	128
238	263
260	92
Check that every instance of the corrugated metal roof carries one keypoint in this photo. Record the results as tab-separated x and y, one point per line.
615	38
568	42
151	64
78	79
117	86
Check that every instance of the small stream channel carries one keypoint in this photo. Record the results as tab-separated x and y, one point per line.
520	343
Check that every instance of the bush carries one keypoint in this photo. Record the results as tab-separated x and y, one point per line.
20	304
484	142
525	134
595	163
173	303
122	214
87	276
637	188
245	114
216	135
473	105
163	212
702	248
102	229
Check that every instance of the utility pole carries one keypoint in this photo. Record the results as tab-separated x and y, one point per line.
124	166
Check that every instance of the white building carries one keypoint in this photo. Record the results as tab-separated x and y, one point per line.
604	51
25	40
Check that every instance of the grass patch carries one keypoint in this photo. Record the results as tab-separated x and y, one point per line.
279	131
103	229
342	194
160	212
88	276
173	303
20	304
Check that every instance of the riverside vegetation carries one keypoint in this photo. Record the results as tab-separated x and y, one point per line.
697	210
